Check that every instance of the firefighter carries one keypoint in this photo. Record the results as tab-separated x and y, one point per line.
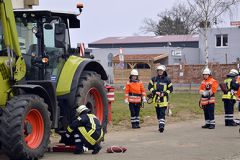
229	96
208	89
238	98
160	86
134	96
86	130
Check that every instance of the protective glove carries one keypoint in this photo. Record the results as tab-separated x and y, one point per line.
206	93
144	99
126	101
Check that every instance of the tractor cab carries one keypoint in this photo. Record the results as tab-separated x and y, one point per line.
45	41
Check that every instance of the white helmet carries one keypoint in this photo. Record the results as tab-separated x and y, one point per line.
161	67
206	71
134	72
233	72
81	108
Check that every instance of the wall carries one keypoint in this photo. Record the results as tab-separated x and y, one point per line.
189	55
187	74
218	55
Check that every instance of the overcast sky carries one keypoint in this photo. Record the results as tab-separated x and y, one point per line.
107	18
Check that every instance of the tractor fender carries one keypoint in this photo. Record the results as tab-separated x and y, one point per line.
44	93
73	69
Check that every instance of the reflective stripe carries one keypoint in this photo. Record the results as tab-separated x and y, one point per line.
79	118
229	96
69	129
168	91
151	89
87	135
101	135
170	84
151	82
164	87
161	121
134	99
77	140
228	118
206	101
93	124
212	122
76	136
207	121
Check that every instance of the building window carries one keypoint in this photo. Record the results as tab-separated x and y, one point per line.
177	61
221	40
110	57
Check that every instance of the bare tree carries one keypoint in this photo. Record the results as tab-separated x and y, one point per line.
208	12
180	19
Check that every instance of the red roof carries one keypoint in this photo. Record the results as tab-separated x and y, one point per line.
148	39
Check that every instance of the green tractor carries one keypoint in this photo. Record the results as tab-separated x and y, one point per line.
43	80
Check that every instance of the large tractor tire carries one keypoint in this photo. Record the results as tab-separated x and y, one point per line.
92	92
25	128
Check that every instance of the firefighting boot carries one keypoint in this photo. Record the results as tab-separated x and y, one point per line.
232	124
137	125
206	126
211	126
96	149
134	125
78	150
161	128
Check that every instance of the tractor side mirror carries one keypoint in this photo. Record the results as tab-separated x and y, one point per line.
60	35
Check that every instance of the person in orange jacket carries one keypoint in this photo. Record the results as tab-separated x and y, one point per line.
238	98
208	89
134	96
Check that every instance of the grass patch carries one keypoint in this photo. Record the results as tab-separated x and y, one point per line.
184	106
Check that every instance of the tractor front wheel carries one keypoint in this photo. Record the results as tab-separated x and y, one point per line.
92	93
25	127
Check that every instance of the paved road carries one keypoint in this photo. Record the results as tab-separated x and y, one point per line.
180	141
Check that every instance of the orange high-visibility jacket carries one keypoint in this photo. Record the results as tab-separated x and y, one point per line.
238	92
134	91
213	89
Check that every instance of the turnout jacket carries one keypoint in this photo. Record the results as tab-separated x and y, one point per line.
238	92
134	91
160	84
232	88
89	127
211	86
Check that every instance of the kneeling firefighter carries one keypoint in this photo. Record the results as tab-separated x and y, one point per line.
86	130
160	86
135	95
208	89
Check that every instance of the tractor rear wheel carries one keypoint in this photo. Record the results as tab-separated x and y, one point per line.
25	127
92	93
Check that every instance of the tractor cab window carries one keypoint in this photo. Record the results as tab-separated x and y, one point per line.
26	37
55	49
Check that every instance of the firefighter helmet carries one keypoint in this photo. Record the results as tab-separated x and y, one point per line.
82	108
161	67
233	72
206	71
134	72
